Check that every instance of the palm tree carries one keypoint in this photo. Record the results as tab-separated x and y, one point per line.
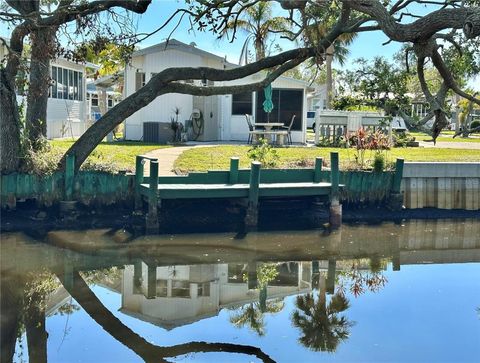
252	315
323	329
258	24
337	50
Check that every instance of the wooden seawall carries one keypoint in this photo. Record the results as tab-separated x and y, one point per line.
441	185
436	185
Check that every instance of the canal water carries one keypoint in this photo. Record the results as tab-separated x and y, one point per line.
390	292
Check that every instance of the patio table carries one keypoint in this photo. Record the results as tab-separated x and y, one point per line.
268	133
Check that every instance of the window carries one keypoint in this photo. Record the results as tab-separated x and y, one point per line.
311	114
95	100
110	103
66	84
236	273
242	104
59	83
162	288
139	80
286	103
75	85
70	84
180	289
80	86
203	289
53	92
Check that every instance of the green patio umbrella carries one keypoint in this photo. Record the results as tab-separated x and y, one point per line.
268	104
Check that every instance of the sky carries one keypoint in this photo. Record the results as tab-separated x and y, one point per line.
366	45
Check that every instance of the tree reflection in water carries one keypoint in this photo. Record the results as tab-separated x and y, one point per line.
322	326
252	314
358	278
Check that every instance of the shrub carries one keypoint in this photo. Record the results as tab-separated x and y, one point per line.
264	153
401	138
378	162
364	140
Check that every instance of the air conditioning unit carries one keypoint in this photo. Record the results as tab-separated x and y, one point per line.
157	132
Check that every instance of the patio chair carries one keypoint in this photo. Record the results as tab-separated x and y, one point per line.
250	128
289	129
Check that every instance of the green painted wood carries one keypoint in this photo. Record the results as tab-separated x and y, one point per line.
335	175
254	184
318	170
218	177
199	191
202	193
69	176
151	281
153	182
139	171
398	176
233	177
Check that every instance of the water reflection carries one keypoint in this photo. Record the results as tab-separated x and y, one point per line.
177	282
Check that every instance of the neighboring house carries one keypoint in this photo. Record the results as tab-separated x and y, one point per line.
224	115
94	100
317	100
184	294
66	109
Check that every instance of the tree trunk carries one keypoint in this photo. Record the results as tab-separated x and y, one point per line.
35	327
9	125
37	99
9	113
259	50
11	295
329	60
146	350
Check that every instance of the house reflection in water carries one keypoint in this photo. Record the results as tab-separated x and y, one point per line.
171	296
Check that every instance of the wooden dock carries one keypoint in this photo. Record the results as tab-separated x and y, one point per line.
249	184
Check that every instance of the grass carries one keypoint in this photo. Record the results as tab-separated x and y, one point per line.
108	156
218	157
445	136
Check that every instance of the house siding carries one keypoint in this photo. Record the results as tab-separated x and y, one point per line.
162	108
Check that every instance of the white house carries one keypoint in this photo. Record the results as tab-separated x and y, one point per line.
66	108
188	293
67	105
223	117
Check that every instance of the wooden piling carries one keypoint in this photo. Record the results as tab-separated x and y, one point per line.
318	170
335	206
233	177
152	281
137	277
332	267
395	201
152	216
251	218
139	170
252	275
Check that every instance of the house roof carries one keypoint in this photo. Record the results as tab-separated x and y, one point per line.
174	44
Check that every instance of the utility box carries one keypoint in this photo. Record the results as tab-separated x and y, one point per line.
157	132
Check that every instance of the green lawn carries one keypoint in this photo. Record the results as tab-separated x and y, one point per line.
117	155
218	157
445	136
